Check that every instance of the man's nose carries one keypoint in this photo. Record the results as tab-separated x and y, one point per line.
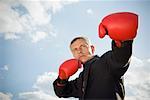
79	50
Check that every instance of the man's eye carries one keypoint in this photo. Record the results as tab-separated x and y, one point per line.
74	49
83	46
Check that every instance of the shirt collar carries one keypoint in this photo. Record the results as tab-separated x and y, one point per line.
90	60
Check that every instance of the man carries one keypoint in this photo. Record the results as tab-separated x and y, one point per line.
102	77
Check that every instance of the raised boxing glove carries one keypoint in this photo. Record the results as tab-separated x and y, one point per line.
119	26
68	68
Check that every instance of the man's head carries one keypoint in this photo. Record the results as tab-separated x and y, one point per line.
82	49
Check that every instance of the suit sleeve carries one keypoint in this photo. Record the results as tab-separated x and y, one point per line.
69	88
119	58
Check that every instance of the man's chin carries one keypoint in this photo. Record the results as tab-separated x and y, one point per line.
82	60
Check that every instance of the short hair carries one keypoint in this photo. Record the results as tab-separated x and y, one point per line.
80	37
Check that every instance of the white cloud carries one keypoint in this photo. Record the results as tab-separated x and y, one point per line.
57	5
44	82
36	95
19	18
137	80
136	98
89	11
148	60
37	12
5	67
5	96
41	48
8	19
38	36
11	35
136	62
43	89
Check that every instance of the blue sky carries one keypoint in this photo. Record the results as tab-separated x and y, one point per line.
34	40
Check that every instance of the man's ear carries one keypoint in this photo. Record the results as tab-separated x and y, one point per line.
93	49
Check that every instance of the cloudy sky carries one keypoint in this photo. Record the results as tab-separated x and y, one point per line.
34	40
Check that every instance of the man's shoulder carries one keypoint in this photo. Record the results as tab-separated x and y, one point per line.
105	55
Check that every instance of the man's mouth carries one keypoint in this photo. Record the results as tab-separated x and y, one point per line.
81	57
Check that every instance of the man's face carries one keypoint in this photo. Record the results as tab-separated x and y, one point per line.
81	50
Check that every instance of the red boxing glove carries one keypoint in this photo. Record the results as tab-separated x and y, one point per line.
68	68
119	26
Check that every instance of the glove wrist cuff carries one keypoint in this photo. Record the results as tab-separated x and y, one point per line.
61	82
